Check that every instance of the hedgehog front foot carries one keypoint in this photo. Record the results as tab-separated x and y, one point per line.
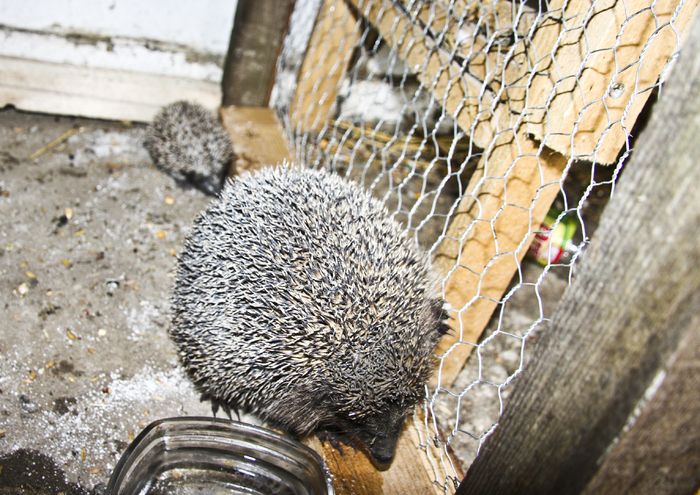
216	404
336	438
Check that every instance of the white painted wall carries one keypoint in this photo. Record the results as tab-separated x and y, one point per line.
38	30
112	59
204	24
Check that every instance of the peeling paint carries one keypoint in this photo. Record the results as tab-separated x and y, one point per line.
112	52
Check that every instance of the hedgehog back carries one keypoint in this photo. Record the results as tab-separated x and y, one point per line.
299	299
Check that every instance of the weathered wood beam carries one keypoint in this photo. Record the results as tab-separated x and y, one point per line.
354	474
622	324
251	61
659	452
256	136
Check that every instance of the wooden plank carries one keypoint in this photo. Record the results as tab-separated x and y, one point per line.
468	29
630	309
612	41
256	40
95	92
354	474
639	462
331	47
508	197
593	76
256	136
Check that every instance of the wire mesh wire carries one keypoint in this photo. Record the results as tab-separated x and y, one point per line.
490	129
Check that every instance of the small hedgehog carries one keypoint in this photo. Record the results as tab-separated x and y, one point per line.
298	299
187	141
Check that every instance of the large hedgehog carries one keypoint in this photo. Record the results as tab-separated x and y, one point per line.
187	141
299	300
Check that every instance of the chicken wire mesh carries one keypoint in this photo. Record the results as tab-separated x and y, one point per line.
490	129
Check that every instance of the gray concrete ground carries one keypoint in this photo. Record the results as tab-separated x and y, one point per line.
89	232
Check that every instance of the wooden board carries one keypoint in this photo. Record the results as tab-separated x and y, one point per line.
639	462
508	197
463	95
410	473
594	78
256	136
620	337
94	92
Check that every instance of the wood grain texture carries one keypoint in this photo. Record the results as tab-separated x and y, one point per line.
659	452
463	95
632	306
331	47
256	136
95	92
595	71
353	473
251	61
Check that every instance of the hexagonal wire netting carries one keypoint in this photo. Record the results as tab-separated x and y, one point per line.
494	131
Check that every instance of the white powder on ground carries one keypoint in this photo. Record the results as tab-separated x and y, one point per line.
88	439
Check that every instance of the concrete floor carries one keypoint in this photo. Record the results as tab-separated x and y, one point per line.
90	230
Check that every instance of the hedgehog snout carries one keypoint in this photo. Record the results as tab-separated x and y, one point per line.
383	449
382	435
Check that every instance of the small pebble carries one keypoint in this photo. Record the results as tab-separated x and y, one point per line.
510	356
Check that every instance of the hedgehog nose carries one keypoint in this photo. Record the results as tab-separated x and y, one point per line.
383	449
383	458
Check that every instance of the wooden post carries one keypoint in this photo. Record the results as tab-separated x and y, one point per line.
256	39
659	452
617	349
256	136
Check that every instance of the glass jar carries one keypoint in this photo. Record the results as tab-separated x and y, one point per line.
191	455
